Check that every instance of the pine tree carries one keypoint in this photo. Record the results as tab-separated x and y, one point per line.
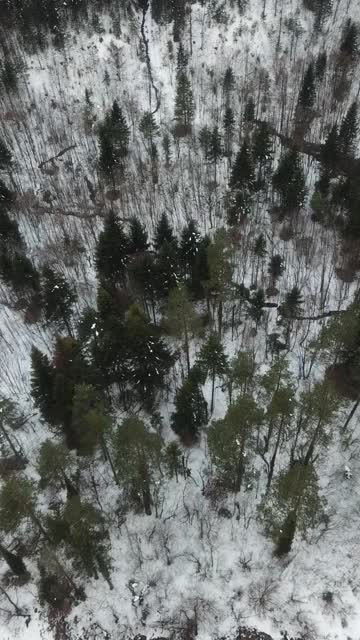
167	269
320	65
350	46
191	412
232	441
17	271
262	150
166	145
229	126
189	248
228	82
241	373
120	132
5	156
58	298
292	505
112	251
242	176
138	238
204	140
276	268
163	232
331	149
42	384
259	250
17	504
249	111
54	465
289	181
220	270
182	58
213	361
184	105
306	98
148	126
6	196
215	149
181	319
256	308
137	455
15	562
10	235
349	130
90	419
107	158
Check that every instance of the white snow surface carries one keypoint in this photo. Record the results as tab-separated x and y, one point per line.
188	554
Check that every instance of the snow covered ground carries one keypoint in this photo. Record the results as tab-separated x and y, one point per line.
188	557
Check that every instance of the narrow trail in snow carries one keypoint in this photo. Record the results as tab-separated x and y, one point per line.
145	7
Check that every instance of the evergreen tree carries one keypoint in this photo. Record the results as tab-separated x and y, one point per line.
189	248
6	196
249	111
228	82
90	419
331	149
58	298
204	140
349	130
10	235
213	361
350	46
138	238
181	319
289	309
42	384
320	65
18	272
163	232
137	455
107	158
120	132
229	127
220	270
241	373
17	504
191	412
262	151
54	465
232	440
256	308
259	250
166	145
5	156
276	268
14	561
172	458
167	269
306	98
242	176
184	105
215	151
112	251
289	181
148	126
182	58
292	505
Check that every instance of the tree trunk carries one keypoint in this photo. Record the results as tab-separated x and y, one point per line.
351	414
220	317
273	457
311	448
212	393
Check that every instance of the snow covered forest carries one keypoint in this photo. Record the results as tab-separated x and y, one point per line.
179	319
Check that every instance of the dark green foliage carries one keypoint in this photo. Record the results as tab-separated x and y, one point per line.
90	419
286	535
184	105
42	384
229	126
17	271
215	146
331	148
9	74
276	267
58	298
16	503
349	46
349	130
5	156
204	140
163	232
249	111
242	176
212	361
6	196
292	303
119	131
320	65
167	269
15	562
10	235
182	58
191	412
307	92
260	246
138	238
148	126
189	247
172	458
112	251
289	182
228	81
256	308
166	145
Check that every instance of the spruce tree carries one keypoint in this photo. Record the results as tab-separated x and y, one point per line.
10	235
256	308
220	269
18	272
275	268
172	458
212	361
191	412
90	419
138	238
42	384
331	149
120	132
249	111
262	151
242	176
215	151
5	156
137	456
163	232
289	182
306	98
58	298
167	269
181	319
54	465
184	105
112	251
148	126
229	126
320	65
228	82
14	561
349	130
182	58
350	45
232	441
189	248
